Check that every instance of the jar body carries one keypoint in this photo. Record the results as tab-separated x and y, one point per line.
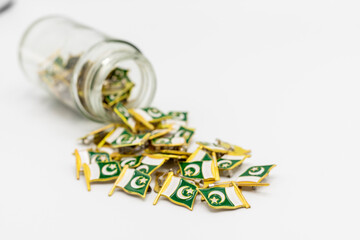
72	62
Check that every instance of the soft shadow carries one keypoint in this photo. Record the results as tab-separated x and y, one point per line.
52	106
6	6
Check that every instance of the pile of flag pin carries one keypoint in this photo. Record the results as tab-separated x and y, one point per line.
151	144
57	73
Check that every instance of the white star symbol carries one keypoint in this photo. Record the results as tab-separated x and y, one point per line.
225	165
112	166
143	180
190	191
214	200
188	173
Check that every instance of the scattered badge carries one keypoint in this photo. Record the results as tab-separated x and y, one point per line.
230	161
147	116
198	170
132	181
145	141
131	161
125	116
178	191
100	172
255	174
88	157
150	163
199	155
224	197
120	137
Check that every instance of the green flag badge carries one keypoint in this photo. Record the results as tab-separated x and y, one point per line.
147	116
230	161
198	170
132	181
185	133
168	141
178	116
224	197
199	155
120	137
175	119
149	163
131	161
120	83
178	191
113	99
255	174
88	157
159	132
125	116
100	172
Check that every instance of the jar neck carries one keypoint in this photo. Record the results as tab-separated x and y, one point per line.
96	64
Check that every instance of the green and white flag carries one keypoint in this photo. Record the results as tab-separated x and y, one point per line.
230	161
185	133
176	118
168	141
178	191
133	182
224	197
132	161
88	157
199	155
125	116
101	172
159	132
150	163
120	83
181	136
120	137
198	170
150	114
112	99
255	174
179	116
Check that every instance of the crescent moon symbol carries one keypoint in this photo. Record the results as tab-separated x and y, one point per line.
132	160
143	167
251	172
220	194
133	183
154	114
195	167
93	158
224	161
180	195
106	172
122	139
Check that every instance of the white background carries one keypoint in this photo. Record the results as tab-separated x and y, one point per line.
278	77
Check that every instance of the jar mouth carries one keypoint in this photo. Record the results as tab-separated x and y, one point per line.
106	59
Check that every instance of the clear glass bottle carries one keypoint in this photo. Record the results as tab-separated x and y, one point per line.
86	57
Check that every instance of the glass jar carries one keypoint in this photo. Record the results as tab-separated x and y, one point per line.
82	59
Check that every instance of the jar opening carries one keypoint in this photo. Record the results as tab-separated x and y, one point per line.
90	78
